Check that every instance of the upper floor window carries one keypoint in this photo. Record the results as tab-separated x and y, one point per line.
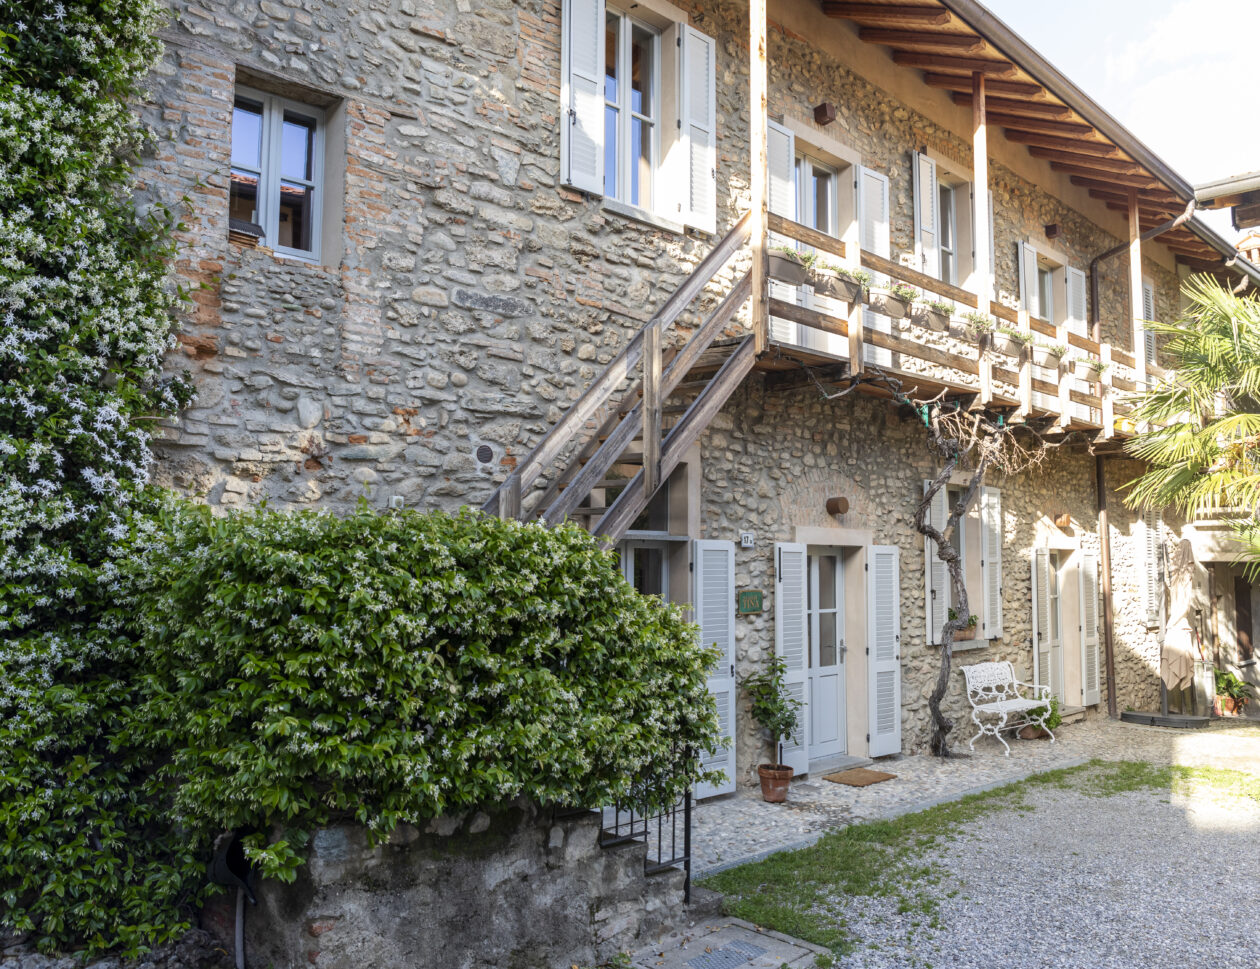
277	171
639	110
949	233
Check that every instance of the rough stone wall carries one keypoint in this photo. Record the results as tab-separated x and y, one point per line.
196	950
515	889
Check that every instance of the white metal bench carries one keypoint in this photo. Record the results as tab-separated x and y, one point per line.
998	702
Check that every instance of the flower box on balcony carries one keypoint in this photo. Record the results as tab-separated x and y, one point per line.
1048	356
786	265
839	283
934	316
1008	342
888	302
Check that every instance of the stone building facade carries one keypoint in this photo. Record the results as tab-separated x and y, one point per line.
463	296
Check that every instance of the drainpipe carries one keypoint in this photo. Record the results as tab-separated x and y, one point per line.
1104	560
1159	230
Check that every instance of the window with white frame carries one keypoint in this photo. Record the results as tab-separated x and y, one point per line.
978	541
639	110
942	219
277	171
949	233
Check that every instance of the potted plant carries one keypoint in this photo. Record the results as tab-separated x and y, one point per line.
976	326
893	303
790	266
965	635
1010	341
778	712
932	313
840	282
1048	355
1232	695
1033	731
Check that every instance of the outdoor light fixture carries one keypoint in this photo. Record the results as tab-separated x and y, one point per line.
1052	230
825	113
837	506
1063	521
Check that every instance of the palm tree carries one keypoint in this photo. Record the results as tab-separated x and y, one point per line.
1203	451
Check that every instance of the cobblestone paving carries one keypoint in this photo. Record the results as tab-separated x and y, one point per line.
741	826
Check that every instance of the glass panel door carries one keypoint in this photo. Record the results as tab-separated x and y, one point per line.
826	656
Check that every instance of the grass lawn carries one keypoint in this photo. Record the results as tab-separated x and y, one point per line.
794	892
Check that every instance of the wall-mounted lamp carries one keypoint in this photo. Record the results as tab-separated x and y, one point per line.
1052	230
825	113
1063	521
837	506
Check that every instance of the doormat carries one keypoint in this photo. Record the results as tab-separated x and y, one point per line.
858	777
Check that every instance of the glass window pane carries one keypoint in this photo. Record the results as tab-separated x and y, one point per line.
612	32
642	71
296	202
641	163
827	639
243	196
649	571
247	134
297	142
610	151
827	581
822	200
947	217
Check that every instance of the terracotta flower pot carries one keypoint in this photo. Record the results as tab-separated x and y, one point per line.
1229	707
1032	732
787	269
774	782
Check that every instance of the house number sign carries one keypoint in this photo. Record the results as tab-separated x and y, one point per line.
748	602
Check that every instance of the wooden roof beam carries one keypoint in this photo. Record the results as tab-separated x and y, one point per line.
916	39
901	15
946	62
1102	167
1043	126
1016	106
1158	194
962	82
1113	179
1077	146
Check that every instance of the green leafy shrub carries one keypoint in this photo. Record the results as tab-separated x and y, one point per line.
1053	718
771	704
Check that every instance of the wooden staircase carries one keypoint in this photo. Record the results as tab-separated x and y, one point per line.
632	415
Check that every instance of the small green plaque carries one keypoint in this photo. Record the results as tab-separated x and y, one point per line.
748	602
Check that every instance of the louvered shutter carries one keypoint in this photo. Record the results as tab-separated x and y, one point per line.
791	642
781	162
883	637
1041	616
1150	347
1077	313
1029	297
991	561
582	95
698	102
713	593
1152	586
927	216
935	572
874	237
1091	686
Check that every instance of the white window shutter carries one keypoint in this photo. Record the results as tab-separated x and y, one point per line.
791	642
874	236
1077	313
582	95
1091	684
927	216
1029	296
1152	587
991	561
698	108
883	637
935	572
781	200
713	593
1150	347
1040	616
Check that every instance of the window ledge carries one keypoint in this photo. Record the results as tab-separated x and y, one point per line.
637	214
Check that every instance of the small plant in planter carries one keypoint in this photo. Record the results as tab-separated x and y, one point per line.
840	282
779	713
1034	731
963	635
932	313
976	326
1010	341
1232	695
790	266
893	303
1048	355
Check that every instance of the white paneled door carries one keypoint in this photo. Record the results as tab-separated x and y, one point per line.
826	656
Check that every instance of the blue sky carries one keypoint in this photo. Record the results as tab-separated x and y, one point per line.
1174	72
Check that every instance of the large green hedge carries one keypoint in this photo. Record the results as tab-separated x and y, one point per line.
295	669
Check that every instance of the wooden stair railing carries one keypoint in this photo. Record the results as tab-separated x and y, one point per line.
626	403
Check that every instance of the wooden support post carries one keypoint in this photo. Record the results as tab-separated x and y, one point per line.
758	167
510	497
1135	289
857	337
1067	380
1025	370
981	282
651	408
1107	393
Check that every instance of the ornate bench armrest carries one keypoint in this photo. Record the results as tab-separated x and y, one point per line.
1034	692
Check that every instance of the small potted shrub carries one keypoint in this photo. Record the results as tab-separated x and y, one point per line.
1232	695
1010	341
778	712
893	303
932	313
1033	731
840	282
790	266
1048	355
976	326
968	634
